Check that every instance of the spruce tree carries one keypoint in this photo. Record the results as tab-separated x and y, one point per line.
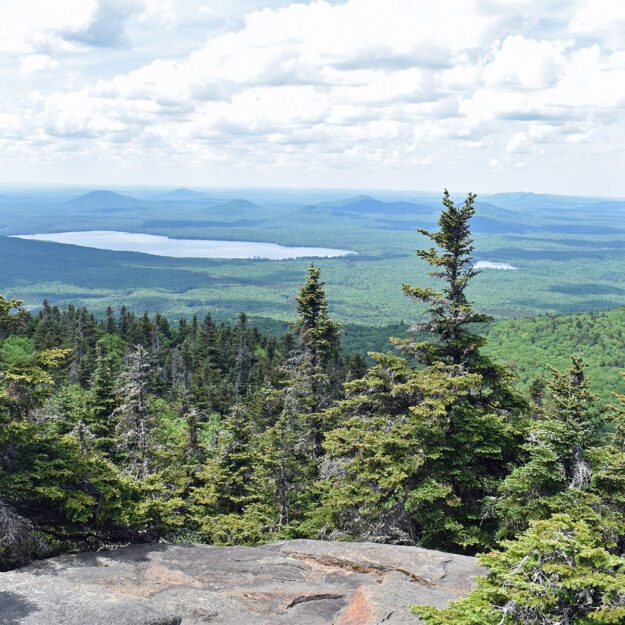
451	318
449	310
556	573
12	316
442	435
102	398
243	361
230	487
318	334
410	460
290	420
287	467
562	446
54	490
314	366
135	420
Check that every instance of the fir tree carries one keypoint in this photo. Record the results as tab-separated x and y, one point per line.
134	429
243	360
449	310
229	483
561	447
110	324
102	399
557	573
446	432
314	366
12	316
318	334
410	460
451	317
287	470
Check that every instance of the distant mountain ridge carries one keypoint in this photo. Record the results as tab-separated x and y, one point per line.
489	218
101	200
183	193
521	200
367	204
238	204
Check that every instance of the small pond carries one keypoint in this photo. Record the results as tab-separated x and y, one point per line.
487	264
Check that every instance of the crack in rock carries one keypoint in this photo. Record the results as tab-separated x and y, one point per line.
359	567
317	597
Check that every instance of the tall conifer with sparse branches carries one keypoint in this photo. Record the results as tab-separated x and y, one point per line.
451	319
449	311
417	451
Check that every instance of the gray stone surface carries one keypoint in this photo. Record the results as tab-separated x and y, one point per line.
298	582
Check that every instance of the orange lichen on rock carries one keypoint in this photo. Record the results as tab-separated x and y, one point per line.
358	612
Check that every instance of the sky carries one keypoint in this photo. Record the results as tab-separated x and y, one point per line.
480	95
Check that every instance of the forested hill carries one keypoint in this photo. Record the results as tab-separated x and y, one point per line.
530	346
133	429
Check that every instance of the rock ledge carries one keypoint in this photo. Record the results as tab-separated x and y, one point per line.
298	582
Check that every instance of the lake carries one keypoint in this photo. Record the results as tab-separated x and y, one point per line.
182	248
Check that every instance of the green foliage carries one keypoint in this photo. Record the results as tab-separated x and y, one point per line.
102	398
530	346
69	496
411	460
134	427
28	374
556	572
568	256
12	315
318	334
416	452
566	461
229	482
449	312
104	426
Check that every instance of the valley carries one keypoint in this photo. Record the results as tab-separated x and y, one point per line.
567	253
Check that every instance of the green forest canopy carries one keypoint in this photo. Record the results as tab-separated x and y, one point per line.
132	428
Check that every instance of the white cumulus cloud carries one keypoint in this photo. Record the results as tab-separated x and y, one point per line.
33	63
269	88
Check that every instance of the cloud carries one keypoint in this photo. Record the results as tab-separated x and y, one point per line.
526	63
33	26
34	63
601	20
106	26
39	26
369	85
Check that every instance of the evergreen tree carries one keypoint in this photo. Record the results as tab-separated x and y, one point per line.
291	424
49	330
102	399
410	460
55	494
229	484
135	421
314	366
451	317
449	310
317	333
243	360
556	573
562	446
442	436
28	374
110	324
286	469
12	316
